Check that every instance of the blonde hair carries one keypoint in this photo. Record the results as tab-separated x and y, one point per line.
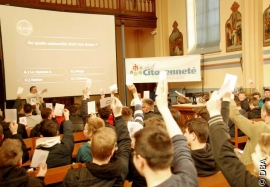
149	103
264	143
93	124
10	153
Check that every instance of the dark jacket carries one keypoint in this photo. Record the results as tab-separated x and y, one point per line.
254	113
35	131
245	105
232	168
151	114
77	122
61	154
21	130
112	174
18	177
231	124
204	161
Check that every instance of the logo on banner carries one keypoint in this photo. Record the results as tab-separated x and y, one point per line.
136	70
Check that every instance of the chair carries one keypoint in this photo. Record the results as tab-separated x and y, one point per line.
238	139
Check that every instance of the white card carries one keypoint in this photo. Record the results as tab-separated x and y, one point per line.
228	85
133	127
91	107
11	115
88	83
40	156
105	101
162	75
113	87
102	92
33	101
49	105
250	81
23	120
58	109
129	79
20	90
146	94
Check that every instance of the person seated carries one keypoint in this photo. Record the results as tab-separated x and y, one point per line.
178	119
266	95
258	96
17	105
109	166
11	171
46	113
233	170
127	114
105	114
21	130
197	134
154	121
201	112
60	151
255	110
244	101
181	99
250	128
161	156
92	125
59	119
205	98
149	109
77	121
32	120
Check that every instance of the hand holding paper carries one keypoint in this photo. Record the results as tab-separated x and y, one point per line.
162	78
42	170
19	91
39	157
214	104
13	127
116	107
228	85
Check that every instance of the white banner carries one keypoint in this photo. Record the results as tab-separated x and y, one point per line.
178	68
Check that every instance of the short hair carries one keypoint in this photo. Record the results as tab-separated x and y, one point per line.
254	101
206	96
202	112
45	113
150	103
105	112
73	109
48	128
264	143
256	93
181	99
266	99
10	153
266	108
200	127
27	108
31	88
126	113
242	92
267	90
237	101
155	121
103	142
54	101
93	124
155	146
178	119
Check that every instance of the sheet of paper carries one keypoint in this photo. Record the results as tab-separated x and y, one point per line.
40	156
33	101
133	127
240	151
91	107
11	115
146	94
129	79
88	84
113	87
20	90
49	105
162	75
228	85
23	120
105	101
58	109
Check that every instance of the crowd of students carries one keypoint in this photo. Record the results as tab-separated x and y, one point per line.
165	152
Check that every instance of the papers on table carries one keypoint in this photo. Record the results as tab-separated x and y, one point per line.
105	101
133	127
40	156
146	94
23	120
49	105
11	115
58	109
113	87
20	90
91	107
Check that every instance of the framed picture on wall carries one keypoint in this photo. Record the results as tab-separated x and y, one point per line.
266	27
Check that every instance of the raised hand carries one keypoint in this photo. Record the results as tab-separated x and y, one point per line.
116	107
214	104
13	127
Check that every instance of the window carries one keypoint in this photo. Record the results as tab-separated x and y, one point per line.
203	26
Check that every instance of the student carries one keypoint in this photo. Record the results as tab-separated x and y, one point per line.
178	119
251	129
255	110
258	96
60	151
244	101
266	95
201	112
11	171
233	170
148	108
32	120
156	151
197	133
92	125
127	114
109	167
105	114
